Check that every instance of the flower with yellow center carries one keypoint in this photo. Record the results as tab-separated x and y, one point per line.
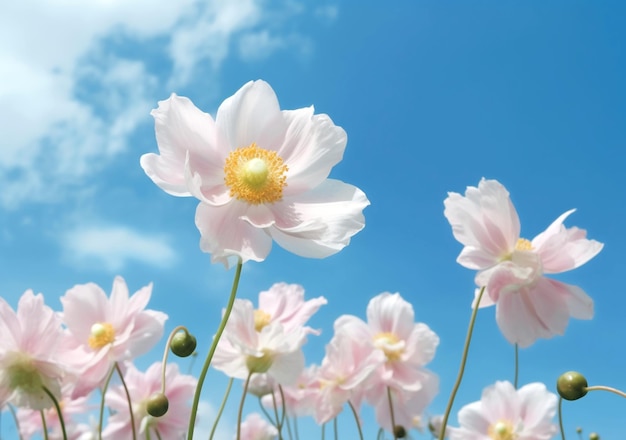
261	174
102	333
390	344
261	319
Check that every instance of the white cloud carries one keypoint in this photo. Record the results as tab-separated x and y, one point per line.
114	247
69	99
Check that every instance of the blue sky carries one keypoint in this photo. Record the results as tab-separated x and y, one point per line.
433	96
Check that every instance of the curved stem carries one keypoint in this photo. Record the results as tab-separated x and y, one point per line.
516	366
561	418
130	403
295	428
167	352
356	418
221	410
393	418
17	423
58	408
104	391
457	384
207	361
283	405
243	399
605	388
267	415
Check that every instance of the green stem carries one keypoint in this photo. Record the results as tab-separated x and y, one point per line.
393	418
295	428
207	362
356	419
323	431
267	415
516	366
561	418
58	408
167	352
221	410
457	384
104	391
130	403
284	413
335	428
243	399
17	423
43	425
605	388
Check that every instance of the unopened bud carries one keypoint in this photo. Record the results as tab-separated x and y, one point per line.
157	405
571	385
183	344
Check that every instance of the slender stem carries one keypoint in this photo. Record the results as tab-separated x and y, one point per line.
58	408
605	388
393	418
380	434
156	431
288	423
561	418
207	361
323	431
221	410
269	417
516	366
17	423
284	409
166	352
295	428
335	428
457	384
104	391
356	419
243	399
130	403
275	411
43	424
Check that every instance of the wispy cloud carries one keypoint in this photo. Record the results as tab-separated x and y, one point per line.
114	247
71	96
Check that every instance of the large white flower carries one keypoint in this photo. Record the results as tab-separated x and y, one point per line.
260	174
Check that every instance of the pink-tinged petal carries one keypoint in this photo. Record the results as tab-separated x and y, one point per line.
252	115
259	216
180	128
83	306
147	332
562	249
118	312
206	185
390	313
485	221
287	367
579	304
472	418
485	300
538	405
353	326
9	327
499	402
313	145
422	345
285	303
518	320
320	222
224	234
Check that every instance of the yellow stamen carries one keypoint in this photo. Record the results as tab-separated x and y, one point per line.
261	319
501	430
523	245
255	175
102	333
383	340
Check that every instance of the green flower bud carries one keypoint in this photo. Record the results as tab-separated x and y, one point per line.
399	431
157	405
594	436
571	385
183	344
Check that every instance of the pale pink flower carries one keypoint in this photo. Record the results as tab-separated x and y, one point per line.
505	413
179	390
31	352
391	328
285	303
256	427
300	397
528	305
260	173
30	423
344	374
108	330
242	349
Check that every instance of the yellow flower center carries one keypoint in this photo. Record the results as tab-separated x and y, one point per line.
255	175
261	319
102	333
385	341
501	430
523	245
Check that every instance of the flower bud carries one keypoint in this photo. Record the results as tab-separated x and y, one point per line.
594	436
399	431
157	405
571	385
183	344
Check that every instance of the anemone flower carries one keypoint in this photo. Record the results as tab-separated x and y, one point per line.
260	173
511	268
